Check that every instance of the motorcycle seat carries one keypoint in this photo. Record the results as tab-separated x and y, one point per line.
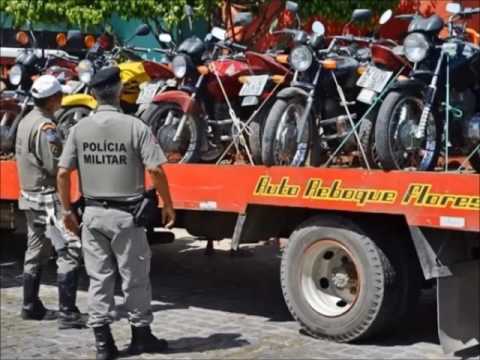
432	24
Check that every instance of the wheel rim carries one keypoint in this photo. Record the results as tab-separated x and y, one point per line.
285	143
330	278
406	117
166	124
70	118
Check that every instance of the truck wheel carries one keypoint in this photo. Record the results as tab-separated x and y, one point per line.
337	283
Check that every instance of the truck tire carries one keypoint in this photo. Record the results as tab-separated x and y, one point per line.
337	283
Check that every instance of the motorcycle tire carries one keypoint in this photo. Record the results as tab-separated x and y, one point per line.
366	134
272	129
475	162
154	116
383	138
65	121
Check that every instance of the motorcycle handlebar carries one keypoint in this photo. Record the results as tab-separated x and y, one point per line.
470	11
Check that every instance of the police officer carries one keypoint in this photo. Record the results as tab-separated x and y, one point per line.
111	151
37	151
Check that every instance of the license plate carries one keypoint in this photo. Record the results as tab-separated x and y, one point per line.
254	85
148	92
374	79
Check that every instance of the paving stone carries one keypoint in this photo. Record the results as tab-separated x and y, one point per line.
207	307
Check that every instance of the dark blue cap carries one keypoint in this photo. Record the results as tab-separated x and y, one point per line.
106	76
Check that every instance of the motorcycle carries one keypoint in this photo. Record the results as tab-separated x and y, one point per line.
318	112
29	64
134	71
224	94
416	118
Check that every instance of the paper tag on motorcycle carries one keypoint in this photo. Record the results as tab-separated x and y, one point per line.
373	82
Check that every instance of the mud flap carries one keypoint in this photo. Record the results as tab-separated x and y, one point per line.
458	308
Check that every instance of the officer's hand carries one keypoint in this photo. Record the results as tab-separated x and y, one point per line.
71	223
168	216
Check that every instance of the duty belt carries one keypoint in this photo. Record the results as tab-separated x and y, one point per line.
128	206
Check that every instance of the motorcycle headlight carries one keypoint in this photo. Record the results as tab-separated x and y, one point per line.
301	58
179	66
85	71
416	47
15	75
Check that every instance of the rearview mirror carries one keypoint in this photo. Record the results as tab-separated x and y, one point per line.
386	16
165	38
291	6
318	28
142	30
361	15
219	33
453	8
242	19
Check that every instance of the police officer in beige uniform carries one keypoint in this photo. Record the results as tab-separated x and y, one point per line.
111	151
37	151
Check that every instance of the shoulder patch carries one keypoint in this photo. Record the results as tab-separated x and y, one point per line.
54	142
48	126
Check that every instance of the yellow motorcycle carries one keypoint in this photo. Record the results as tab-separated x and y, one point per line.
135	72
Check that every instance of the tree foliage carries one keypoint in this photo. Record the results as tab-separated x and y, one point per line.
85	13
341	10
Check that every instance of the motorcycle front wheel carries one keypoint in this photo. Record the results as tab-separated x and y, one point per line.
68	117
475	161
395	142
164	119
279	141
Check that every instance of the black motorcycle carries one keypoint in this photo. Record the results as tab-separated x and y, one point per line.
439	103
318	113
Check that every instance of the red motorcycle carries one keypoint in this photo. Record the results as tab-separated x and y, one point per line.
222	100
29	64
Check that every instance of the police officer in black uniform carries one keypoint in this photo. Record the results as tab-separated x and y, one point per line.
37	151
111	151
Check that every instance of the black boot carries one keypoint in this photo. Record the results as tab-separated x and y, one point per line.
33	308
106	349
143	341
69	317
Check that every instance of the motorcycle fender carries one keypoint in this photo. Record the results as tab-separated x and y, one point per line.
409	84
79	100
181	98
290	92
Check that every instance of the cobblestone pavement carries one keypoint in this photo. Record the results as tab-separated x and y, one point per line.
206	307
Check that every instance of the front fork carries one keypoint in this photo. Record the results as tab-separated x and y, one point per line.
302	146
184	118
429	100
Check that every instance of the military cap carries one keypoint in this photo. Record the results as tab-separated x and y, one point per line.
106	76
